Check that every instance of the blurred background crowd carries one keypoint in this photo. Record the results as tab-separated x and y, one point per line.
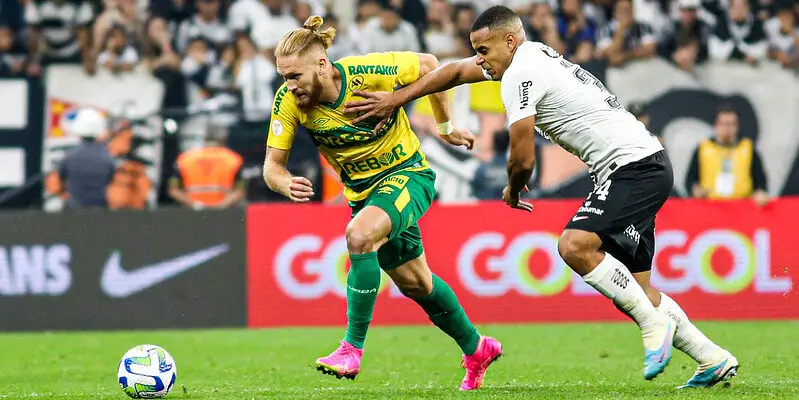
218	55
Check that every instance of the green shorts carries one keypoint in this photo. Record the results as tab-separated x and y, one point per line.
405	196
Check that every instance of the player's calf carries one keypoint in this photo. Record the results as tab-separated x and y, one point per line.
606	274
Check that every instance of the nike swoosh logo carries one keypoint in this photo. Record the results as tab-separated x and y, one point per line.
575	219
117	282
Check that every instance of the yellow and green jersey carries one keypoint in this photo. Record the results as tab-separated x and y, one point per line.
361	158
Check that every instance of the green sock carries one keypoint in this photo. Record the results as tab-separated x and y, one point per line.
363	280
444	310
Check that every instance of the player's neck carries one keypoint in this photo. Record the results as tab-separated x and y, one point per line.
331	89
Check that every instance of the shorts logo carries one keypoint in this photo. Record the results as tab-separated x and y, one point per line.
633	234
398	181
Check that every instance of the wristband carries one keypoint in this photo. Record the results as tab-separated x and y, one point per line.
444	128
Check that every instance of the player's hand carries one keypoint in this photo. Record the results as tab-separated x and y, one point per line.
373	105
512	199
460	137
300	190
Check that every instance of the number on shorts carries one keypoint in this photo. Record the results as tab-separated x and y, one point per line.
603	190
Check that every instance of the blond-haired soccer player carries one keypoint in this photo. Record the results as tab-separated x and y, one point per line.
387	180
610	241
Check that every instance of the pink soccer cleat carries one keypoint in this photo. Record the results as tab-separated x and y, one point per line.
488	350
345	362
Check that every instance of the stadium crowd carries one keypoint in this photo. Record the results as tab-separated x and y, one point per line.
203	49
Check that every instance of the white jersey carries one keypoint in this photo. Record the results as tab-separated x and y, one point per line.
574	110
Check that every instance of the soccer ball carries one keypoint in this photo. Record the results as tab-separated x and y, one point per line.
147	372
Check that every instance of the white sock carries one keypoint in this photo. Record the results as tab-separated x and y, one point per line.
615	281
688	338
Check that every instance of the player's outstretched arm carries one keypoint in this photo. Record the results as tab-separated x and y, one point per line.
445	77
279	179
440	106
521	162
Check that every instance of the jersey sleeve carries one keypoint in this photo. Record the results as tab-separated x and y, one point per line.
284	120
408	66
521	91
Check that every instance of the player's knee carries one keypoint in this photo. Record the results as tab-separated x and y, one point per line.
360	240
576	246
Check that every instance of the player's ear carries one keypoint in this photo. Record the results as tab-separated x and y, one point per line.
322	66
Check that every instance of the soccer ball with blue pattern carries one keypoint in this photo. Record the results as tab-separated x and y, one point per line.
147	372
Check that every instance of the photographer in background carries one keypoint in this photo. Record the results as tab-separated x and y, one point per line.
726	166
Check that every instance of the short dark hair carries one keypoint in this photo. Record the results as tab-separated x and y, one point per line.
494	17
726	109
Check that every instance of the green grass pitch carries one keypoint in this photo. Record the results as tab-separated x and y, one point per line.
550	361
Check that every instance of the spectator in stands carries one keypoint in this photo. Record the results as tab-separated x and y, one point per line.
491	177
220	74
207	24
166	16
541	26
367	10
87	170
783	36
12	53
118	14
159	50
11	15
209	177
63	27
739	36
267	35
688	45
625	39
343	46
463	15
244	15
440	34
390	33
413	11
725	166
253	76
301	11
196	67
655	14
118	54
577	31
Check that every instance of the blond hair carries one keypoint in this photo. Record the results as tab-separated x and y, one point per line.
299	40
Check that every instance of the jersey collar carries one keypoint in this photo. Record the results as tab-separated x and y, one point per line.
341	93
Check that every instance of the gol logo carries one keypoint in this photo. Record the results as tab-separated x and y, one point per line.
323	268
512	266
751	264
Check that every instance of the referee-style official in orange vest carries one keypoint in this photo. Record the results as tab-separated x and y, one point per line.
210	176
726	167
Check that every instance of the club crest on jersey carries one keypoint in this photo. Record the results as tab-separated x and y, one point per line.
356	82
524	94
